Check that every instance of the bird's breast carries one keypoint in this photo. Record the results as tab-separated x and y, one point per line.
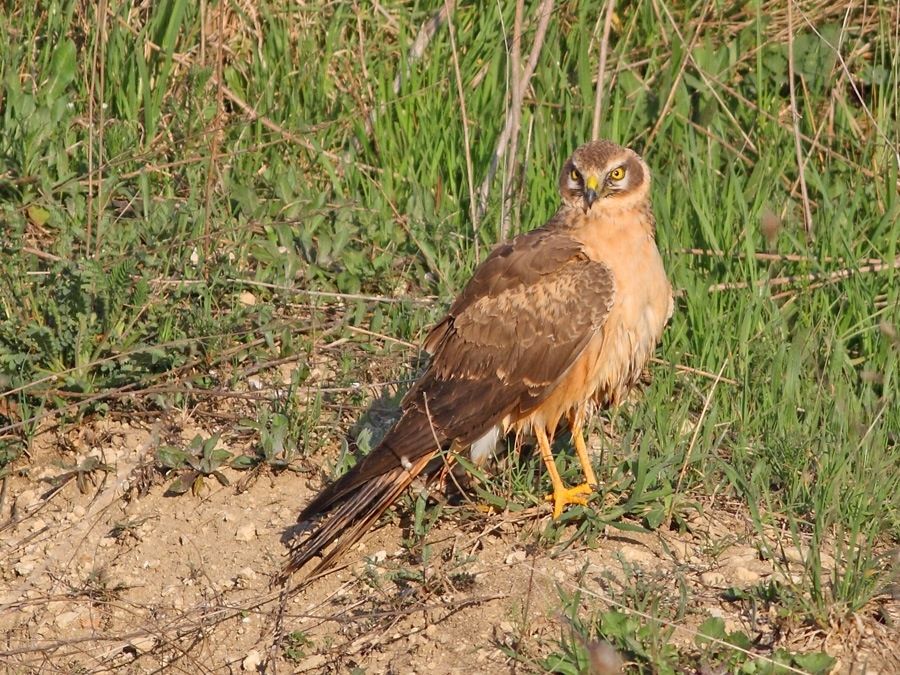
641	308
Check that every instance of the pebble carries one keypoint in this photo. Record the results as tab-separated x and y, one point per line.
64	619
25	499
24	567
745	575
246	532
247	573
252	661
312	663
714	578
515	557
633	554
144	644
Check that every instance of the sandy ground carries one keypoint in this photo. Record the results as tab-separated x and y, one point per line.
99	577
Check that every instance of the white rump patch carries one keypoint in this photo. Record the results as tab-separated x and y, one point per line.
484	447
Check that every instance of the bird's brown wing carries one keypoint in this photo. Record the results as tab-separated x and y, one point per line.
520	324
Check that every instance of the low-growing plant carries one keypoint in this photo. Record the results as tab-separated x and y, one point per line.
201	459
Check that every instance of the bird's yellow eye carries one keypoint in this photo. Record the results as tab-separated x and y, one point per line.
575	176
617	174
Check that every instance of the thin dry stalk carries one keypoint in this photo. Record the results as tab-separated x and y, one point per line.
859	96
703	76
515	112
426	34
470	172
772	257
601	69
795	117
544	12
97	87
694	371
696	434
837	275
215	137
423	39
687	58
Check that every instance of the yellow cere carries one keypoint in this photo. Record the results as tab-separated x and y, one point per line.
591	183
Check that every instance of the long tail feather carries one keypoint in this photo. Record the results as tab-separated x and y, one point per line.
350	519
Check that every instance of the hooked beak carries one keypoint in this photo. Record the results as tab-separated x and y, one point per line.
590	191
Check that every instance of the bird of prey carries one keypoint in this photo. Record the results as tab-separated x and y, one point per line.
552	325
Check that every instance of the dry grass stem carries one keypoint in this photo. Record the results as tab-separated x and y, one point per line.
544	12
795	118
601	69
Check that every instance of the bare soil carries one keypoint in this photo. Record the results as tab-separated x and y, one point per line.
96	578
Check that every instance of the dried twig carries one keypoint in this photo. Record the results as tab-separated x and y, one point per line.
681	68
859	96
601	69
423	39
795	117
687	455
470	173
772	257
544	12
837	275
515	115
694	371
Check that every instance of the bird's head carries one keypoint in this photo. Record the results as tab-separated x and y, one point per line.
603	176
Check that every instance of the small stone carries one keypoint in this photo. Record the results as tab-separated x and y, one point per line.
37	525
312	663
431	631
252	661
714	578
24	567
745	575
142	645
516	557
227	517
795	555
246	532
681	550
633	554
379	556
64	619
25	499
505	627
247	298
247	574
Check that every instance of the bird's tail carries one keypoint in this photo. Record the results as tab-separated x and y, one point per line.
355	501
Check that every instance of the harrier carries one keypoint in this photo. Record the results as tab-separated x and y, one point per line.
553	324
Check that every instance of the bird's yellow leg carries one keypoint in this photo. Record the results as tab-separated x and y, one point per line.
562	496
576	422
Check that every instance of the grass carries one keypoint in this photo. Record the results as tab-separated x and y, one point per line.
189	197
